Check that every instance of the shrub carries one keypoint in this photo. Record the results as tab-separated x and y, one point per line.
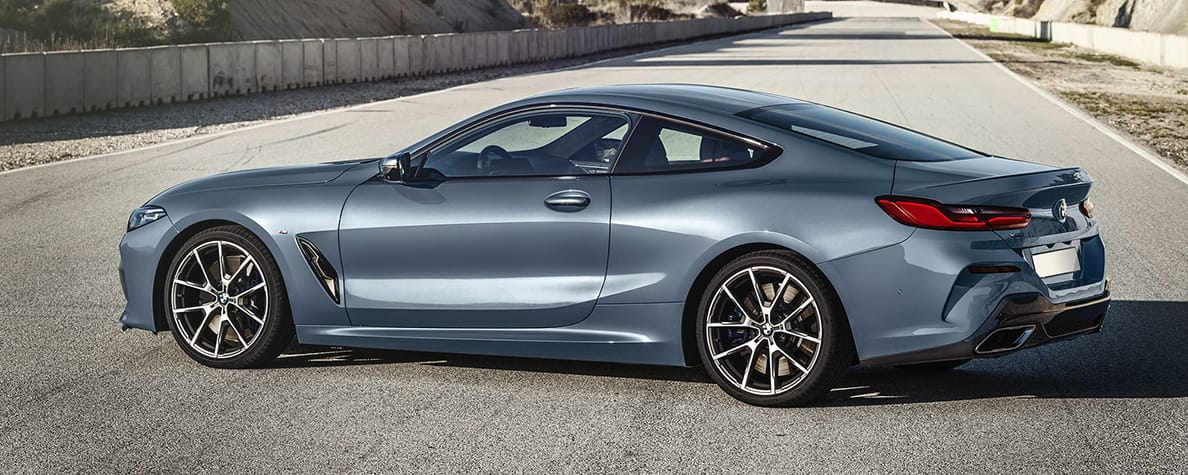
566	14
757	6
203	14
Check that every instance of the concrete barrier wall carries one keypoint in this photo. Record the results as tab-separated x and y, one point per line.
350	61
292	64
64	73
312	59
194	67
165	74
269	66
41	84
385	48
368	59
134	84
1155	48
231	68
101	77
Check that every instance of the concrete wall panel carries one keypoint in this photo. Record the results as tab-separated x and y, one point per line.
350	64
313	72
134	80
1175	51
165	74
330	62
269	66
518	47
195	73
458	53
99	89
437	52
504	39
232	68
385	49
64	83
368	59
292	61
414	45
24	81
400	54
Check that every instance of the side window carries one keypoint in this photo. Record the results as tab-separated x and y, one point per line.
549	143
662	146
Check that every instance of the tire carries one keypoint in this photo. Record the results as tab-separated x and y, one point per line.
778	327
241	324
932	367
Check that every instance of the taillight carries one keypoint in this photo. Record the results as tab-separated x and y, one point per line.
925	213
1087	208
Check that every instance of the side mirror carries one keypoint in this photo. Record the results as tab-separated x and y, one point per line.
396	168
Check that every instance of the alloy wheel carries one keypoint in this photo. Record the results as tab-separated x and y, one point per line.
763	330
219	299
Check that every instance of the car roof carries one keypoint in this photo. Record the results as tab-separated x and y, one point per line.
664	97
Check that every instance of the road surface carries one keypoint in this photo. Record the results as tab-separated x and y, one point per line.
76	394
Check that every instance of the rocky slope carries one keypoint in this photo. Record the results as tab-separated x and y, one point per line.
1163	16
276	19
283	19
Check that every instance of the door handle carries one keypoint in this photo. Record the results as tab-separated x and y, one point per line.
568	200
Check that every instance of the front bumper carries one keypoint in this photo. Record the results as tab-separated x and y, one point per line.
141	251
1021	322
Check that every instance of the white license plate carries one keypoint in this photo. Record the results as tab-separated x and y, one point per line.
1059	262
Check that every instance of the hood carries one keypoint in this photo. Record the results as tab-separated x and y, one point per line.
273	176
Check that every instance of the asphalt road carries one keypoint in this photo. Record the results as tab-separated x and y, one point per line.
76	394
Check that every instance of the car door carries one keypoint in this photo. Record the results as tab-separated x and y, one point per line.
506	226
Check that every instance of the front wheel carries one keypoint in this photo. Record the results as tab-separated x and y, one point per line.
771	330
225	301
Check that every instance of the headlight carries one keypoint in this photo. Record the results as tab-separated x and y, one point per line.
144	215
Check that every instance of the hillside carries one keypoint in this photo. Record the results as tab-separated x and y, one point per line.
1163	16
275	19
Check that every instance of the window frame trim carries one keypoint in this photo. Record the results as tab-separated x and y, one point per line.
634	115
765	152
479	124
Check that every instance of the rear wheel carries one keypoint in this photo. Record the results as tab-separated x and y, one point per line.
771	331
224	300
933	367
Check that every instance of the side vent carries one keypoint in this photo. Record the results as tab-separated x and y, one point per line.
320	267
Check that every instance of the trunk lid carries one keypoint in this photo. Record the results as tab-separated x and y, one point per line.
994	181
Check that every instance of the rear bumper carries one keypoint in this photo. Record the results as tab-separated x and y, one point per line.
1021	322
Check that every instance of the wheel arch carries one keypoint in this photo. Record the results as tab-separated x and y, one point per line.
699	284
185	232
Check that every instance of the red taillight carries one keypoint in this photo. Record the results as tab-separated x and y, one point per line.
925	213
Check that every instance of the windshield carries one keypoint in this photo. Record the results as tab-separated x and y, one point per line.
858	133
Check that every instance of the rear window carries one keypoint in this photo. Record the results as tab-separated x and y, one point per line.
858	133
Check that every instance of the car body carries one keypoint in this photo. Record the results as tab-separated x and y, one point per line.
605	256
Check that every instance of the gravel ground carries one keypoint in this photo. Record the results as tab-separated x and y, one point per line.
1147	102
35	142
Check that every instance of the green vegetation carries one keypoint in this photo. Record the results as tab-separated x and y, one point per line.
48	25
58	24
208	18
757	6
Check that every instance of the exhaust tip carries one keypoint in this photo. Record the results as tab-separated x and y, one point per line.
1005	339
